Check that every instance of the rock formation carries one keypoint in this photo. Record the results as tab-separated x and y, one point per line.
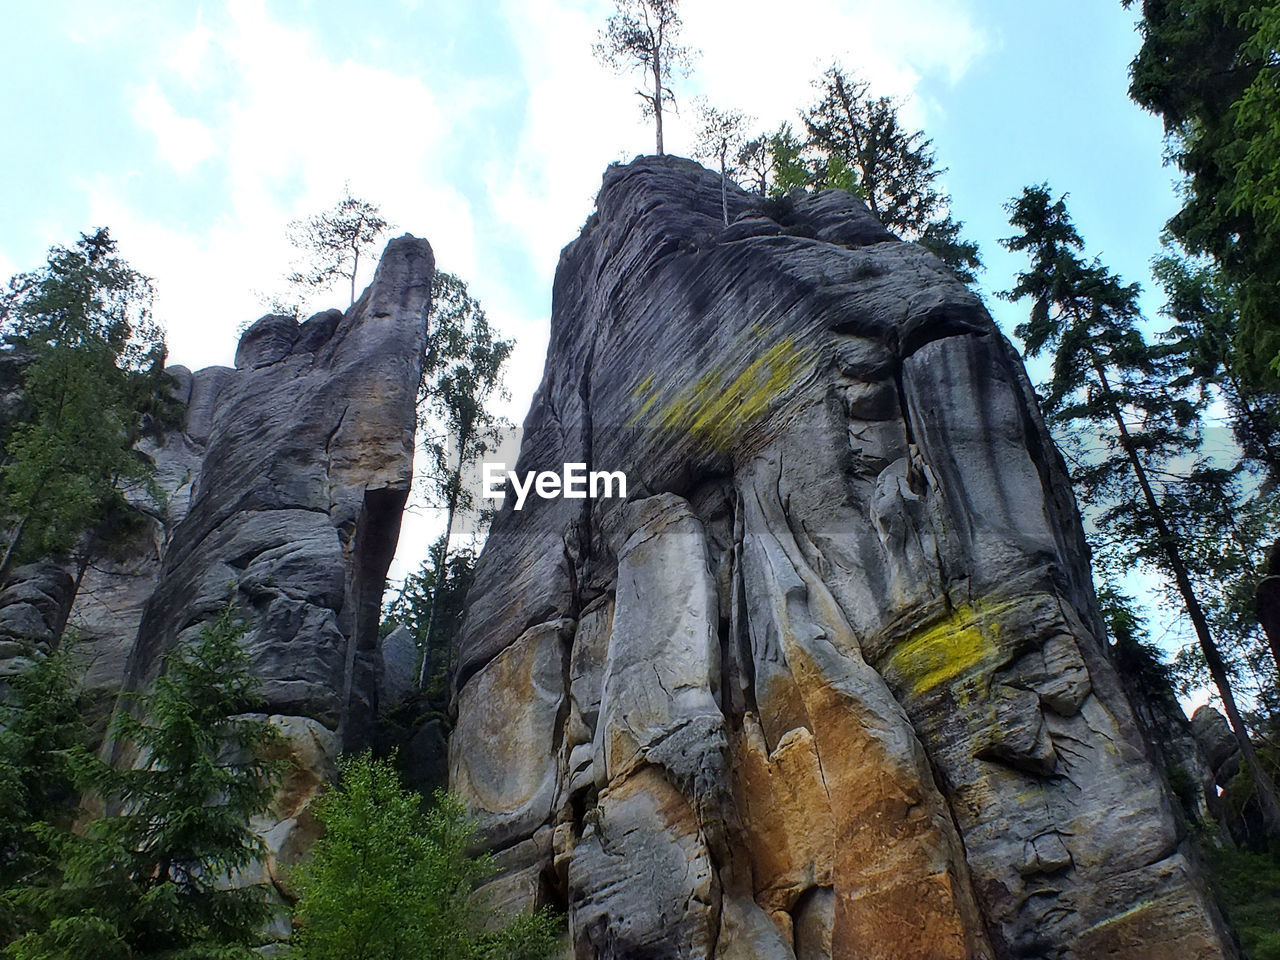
280	491
831	682
305	454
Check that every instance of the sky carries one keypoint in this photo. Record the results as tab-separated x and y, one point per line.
197	131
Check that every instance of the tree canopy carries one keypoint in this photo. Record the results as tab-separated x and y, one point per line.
643	35
334	240
93	376
388	881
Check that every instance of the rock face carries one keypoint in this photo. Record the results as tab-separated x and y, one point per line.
301	462
831	681
295	509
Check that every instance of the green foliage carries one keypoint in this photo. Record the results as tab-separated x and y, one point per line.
94	378
390	882
1131	430
788	166
1248	885
855	141
41	727
642	35
149	879
411	608
334	241
1209	69
1204	313
462	375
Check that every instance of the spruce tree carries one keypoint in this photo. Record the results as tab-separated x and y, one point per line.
1204	312
859	143
390	882
1111	387
42	730
149	879
1211	70
94	370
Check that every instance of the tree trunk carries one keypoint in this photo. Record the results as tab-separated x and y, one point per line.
1213	658
724	191
441	556
355	265
437	572
14	539
657	92
1268	599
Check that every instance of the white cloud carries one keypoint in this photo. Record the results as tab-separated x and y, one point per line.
293	128
183	142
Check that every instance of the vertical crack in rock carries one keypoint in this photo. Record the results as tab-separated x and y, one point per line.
836	683
290	475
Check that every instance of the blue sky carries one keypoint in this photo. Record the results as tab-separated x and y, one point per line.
196	131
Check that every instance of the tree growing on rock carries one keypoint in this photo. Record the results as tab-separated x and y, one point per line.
334	241
642	35
856	141
722	135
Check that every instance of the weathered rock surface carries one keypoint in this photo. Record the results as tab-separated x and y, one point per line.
295	509
832	681
289	480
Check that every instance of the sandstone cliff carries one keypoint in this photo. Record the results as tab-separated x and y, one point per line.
832	681
281	491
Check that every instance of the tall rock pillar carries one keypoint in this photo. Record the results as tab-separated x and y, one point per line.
831	681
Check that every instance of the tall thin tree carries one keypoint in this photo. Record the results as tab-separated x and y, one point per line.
463	376
722	135
1107	381
334	240
642	35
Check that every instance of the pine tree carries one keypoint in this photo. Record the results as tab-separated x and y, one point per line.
149	880
1110	386
721	138
1204	312
41	729
389	882
95	371
858	143
642	35
335	240
1209	69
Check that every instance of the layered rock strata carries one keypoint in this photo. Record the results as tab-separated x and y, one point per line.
831	682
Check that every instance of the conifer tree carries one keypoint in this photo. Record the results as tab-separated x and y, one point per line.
335	240
149	879
858	143
1108	384
1211	70
389	882
720	138
95	371
643	34
41	729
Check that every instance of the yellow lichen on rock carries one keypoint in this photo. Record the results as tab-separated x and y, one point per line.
720	403
950	650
